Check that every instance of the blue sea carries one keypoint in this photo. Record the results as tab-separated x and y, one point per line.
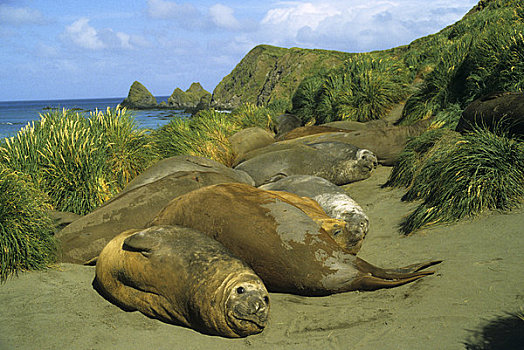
14	115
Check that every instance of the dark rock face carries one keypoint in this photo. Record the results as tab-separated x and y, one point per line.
190	98
496	112
139	98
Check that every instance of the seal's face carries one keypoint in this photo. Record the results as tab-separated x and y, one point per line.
247	308
357	225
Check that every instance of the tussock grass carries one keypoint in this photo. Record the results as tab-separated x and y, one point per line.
481	54
207	133
79	161
459	176
26	236
365	88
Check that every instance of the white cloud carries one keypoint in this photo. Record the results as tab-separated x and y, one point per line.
83	35
20	15
223	17
298	15
358	25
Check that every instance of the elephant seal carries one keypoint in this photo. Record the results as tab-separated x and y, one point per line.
333	200
338	162
178	164
335	227
498	111
250	139
289	251
386	142
308	130
181	276
84	239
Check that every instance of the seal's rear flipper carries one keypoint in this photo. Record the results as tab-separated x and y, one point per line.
372	283
394	274
413	268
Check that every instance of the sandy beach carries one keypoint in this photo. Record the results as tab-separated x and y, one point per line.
481	278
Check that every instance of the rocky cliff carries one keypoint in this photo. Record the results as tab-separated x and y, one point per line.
139	98
189	99
267	74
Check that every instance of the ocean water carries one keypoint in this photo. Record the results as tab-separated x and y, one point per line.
14	115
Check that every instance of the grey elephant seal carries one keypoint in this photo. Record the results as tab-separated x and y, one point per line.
184	163
288	250
333	200
181	276
338	162
84	239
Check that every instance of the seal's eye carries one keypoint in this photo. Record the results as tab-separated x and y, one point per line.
240	290
266	299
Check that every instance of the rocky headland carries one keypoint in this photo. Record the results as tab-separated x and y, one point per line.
194	98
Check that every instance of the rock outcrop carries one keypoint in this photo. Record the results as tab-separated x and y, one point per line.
189	99
139	97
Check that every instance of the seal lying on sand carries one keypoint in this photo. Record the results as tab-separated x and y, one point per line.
181	276
333	200
184	163
288	250
338	162
386	142
335	227
84	239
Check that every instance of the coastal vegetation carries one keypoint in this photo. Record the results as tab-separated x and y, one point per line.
207	133
456	176
70	161
26	235
79	161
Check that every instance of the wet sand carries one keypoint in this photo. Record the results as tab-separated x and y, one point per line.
481	278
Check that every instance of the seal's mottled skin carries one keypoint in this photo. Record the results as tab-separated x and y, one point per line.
338	162
335	227
284	246
181	276
335	202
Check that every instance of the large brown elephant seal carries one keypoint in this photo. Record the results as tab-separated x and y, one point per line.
181	276
498	111
288	250
335	202
338	162
84	239
335	227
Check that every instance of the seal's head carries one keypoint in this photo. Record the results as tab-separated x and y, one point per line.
247	306
357	226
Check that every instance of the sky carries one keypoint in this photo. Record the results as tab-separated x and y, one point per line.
68	49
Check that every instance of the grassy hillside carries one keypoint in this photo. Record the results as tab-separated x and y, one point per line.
268	74
438	74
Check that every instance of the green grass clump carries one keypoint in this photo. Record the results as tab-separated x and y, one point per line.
26	236
459	176
207	133
79	161
481	54
365	88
